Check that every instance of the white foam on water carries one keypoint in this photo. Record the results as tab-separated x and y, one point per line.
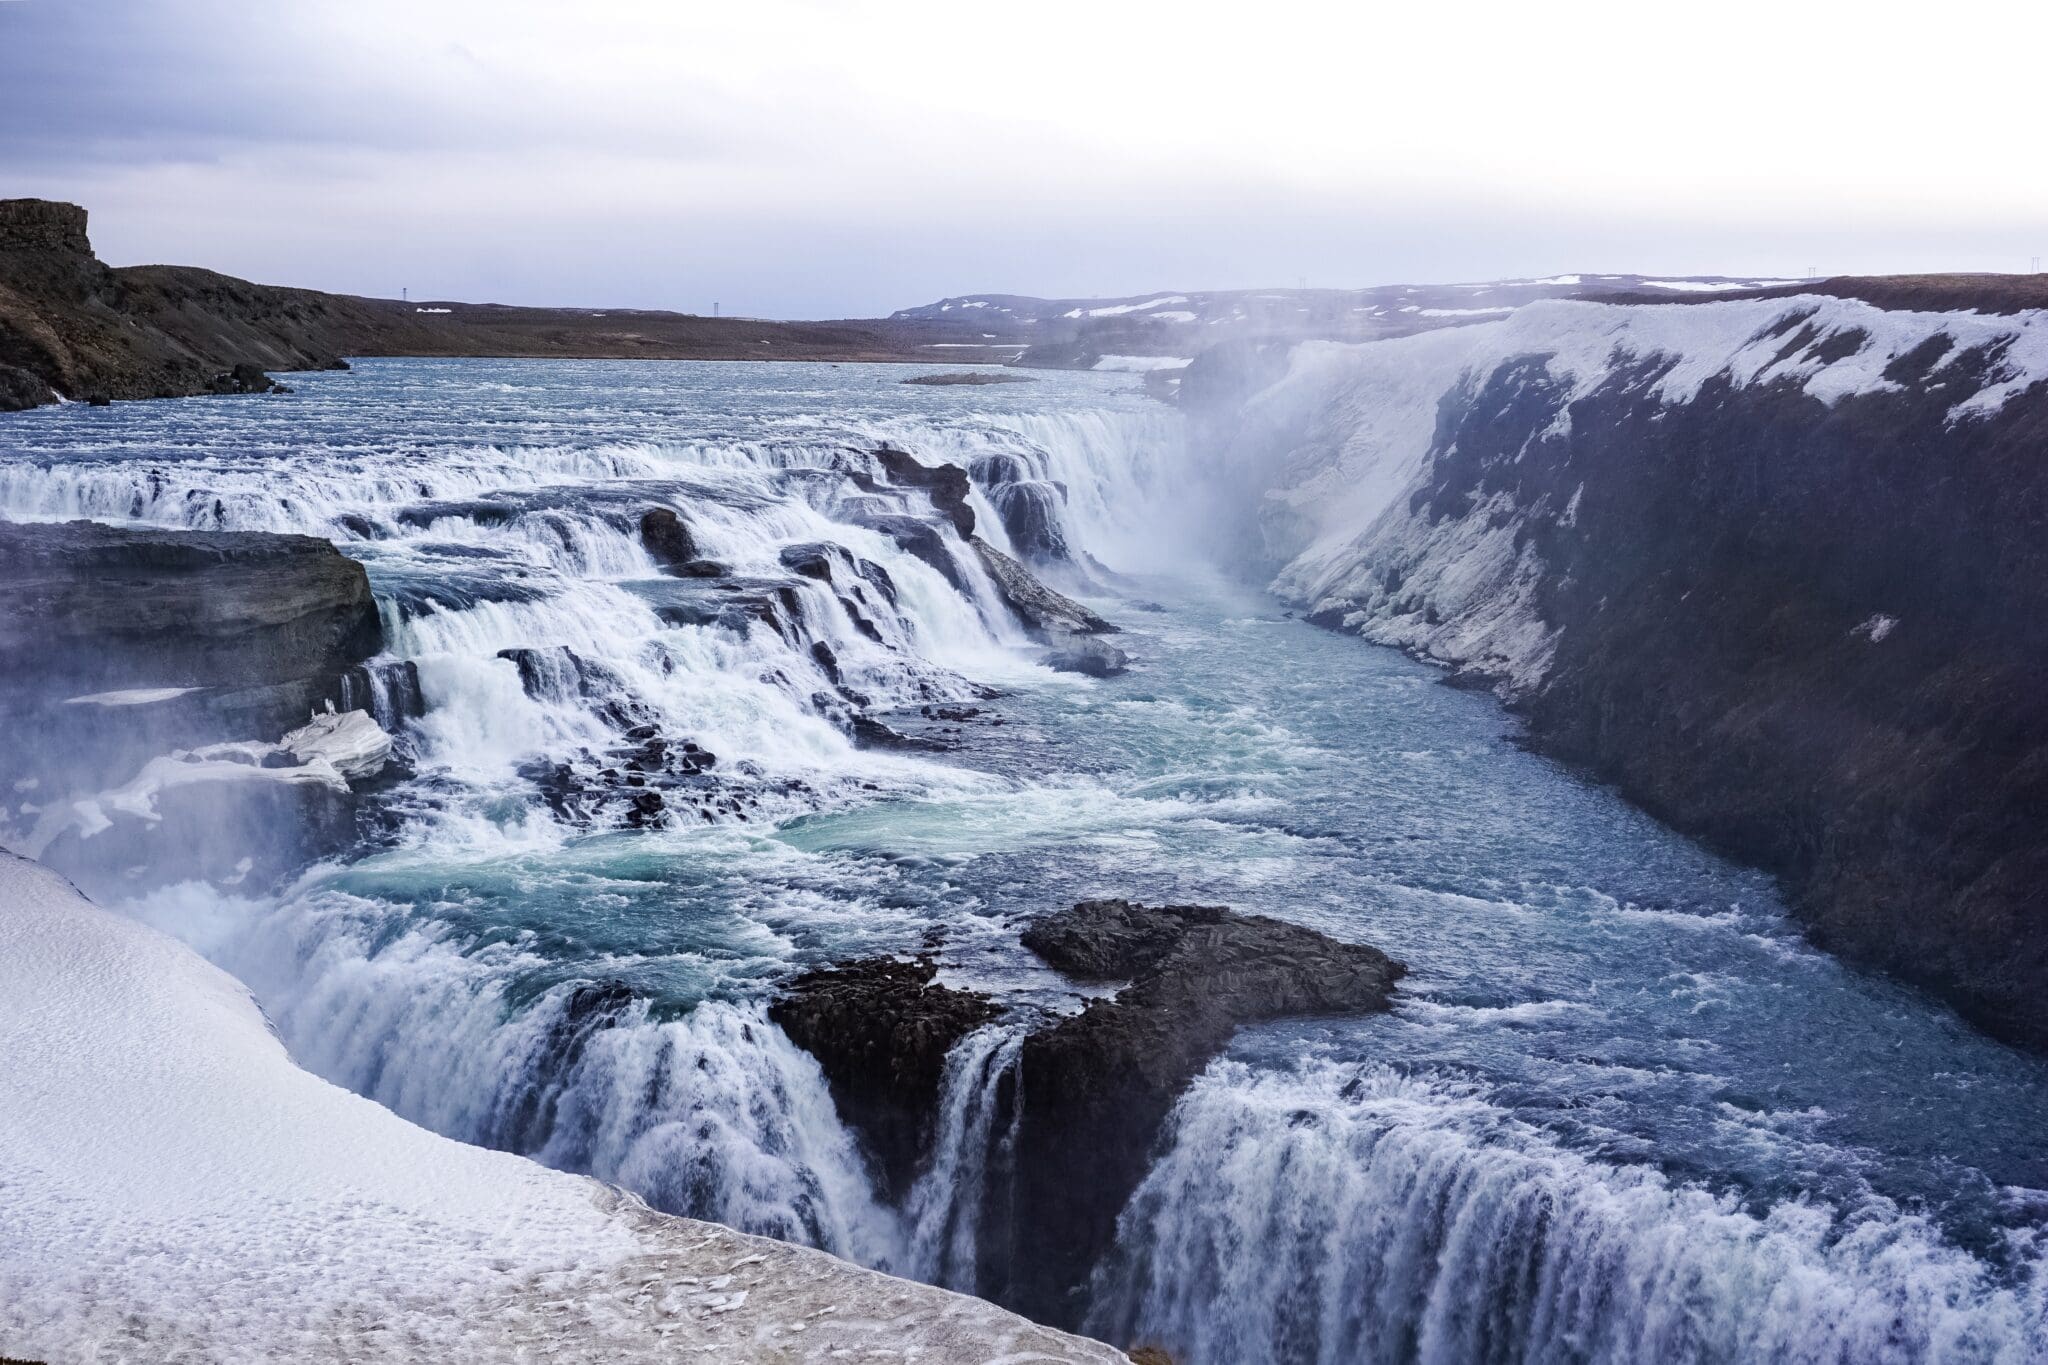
1343	1214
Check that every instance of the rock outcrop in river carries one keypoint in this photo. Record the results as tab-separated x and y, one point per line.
1774	567
1096	1087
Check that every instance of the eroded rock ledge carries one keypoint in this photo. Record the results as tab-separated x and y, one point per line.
1095	1087
157	687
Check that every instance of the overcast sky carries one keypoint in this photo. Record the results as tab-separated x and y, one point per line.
794	158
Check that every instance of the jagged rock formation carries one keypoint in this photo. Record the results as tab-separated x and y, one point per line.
887	1025
1055	620
1774	568
1096	1087
947	484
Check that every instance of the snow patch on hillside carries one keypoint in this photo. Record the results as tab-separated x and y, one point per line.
172	1186
1116	310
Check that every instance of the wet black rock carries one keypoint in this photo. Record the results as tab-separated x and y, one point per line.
1031	514
483	512
1098	1086
870	733
19	389
811	559
1045	612
1087	654
243	378
668	541
93	608
917	538
1094	1089
882	1029
947	484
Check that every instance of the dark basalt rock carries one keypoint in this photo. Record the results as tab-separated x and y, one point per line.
882	1029
701	568
479	510
243	378
20	390
1096	1087
1086	654
1046	613
809	560
947	484
667	539
1030	511
918	538
93	608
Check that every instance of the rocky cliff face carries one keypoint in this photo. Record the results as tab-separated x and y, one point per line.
165	697
1092	1091
72	327
1775	568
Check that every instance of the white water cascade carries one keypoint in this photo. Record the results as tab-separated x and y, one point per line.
1352	1216
979	1092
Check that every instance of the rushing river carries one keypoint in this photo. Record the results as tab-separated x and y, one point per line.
1620	1113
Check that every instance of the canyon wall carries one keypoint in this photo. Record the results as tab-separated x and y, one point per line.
1776	568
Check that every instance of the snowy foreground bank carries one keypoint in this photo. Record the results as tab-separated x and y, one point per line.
173	1187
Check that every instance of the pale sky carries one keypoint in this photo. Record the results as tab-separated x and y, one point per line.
799	158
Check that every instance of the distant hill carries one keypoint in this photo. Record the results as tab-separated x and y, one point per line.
73	327
1105	333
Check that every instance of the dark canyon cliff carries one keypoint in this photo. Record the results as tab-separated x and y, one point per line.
1777	568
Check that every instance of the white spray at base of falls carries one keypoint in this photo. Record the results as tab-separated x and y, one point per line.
1351	1216
979	1088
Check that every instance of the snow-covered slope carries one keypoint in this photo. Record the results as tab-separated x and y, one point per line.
172	1187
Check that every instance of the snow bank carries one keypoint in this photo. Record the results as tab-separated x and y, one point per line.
173	1187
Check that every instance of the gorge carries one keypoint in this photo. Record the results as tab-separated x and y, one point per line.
809	802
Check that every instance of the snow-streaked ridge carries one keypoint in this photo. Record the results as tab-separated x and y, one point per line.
173	1187
1341	442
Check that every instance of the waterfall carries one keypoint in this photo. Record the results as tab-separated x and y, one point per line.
979	1108
713	1114
1344	1215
